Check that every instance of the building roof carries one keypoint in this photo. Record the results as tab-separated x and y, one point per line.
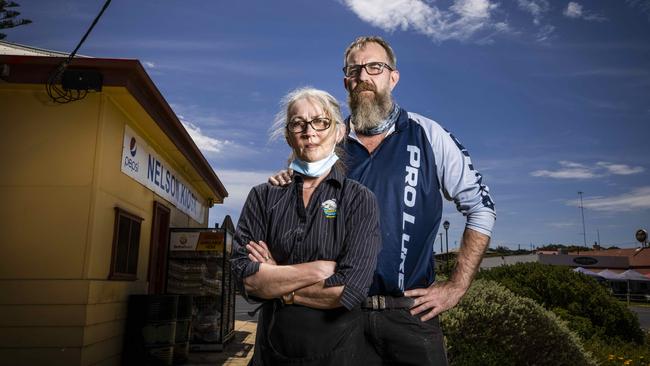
636	256
9	48
127	73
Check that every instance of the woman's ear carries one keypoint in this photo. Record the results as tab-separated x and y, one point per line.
288	140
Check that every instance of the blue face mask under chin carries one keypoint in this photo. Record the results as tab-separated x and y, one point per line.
314	168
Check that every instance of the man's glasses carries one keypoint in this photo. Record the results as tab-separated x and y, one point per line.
372	68
300	125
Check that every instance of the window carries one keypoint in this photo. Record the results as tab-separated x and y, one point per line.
126	243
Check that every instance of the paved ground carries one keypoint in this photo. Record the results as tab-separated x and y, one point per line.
644	315
240	349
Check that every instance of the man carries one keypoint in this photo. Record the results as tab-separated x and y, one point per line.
407	161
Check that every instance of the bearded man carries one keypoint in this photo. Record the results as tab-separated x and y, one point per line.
409	162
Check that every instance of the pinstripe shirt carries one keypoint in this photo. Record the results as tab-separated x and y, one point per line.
340	223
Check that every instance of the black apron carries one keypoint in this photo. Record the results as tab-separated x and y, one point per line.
298	335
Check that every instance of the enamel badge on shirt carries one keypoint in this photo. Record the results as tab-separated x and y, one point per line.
329	208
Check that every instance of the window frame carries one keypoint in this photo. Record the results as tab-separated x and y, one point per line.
121	214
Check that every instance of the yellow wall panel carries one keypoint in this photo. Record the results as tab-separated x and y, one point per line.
74	292
42	315
105	353
41	356
105	292
100	313
61	337
103	331
47	145
43	231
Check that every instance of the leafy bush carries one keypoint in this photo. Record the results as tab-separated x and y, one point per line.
620	353
580	300
493	326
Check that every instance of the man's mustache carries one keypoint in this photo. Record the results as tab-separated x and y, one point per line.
364	86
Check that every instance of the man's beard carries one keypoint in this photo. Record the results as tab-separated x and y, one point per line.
369	111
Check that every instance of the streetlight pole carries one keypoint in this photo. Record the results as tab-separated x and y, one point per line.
446	226
584	230
440	265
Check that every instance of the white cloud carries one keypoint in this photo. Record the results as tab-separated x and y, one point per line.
637	199
463	20
620	169
573	10
569	170
238	184
545	33
537	8
576	11
573	170
149	64
643	5
204	142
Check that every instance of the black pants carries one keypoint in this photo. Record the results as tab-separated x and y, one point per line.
395	337
298	335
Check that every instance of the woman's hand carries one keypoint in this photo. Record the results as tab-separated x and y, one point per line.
259	252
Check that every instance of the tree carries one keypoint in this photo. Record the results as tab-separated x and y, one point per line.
9	16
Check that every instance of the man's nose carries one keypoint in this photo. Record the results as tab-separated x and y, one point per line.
363	75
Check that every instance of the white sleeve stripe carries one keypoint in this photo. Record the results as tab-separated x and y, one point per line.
458	179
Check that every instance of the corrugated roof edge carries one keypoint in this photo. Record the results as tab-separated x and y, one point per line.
36	50
128	73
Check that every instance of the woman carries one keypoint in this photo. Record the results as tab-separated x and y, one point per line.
308	249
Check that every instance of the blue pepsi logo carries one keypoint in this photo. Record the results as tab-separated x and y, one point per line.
133	147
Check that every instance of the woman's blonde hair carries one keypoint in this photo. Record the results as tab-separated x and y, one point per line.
330	105
324	99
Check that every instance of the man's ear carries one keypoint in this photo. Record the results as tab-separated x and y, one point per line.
340	132
394	79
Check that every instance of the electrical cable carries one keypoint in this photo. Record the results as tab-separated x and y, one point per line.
58	94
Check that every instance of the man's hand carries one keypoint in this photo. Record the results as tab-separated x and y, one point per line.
282	178
437	298
442	296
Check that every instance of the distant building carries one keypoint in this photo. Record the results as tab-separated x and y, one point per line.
615	260
89	190
496	261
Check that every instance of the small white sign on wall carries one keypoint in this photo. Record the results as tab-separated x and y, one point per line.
143	164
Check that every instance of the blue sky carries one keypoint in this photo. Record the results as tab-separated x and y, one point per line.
549	97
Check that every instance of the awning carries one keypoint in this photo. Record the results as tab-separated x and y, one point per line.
633	275
587	272
612	276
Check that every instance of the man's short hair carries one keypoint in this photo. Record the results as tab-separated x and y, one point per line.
361	43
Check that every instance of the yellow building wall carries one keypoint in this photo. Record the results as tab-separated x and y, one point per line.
64	180
47	165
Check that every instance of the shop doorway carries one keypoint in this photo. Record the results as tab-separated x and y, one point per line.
159	248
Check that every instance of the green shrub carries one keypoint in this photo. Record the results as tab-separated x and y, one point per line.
620	353
580	300
493	326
